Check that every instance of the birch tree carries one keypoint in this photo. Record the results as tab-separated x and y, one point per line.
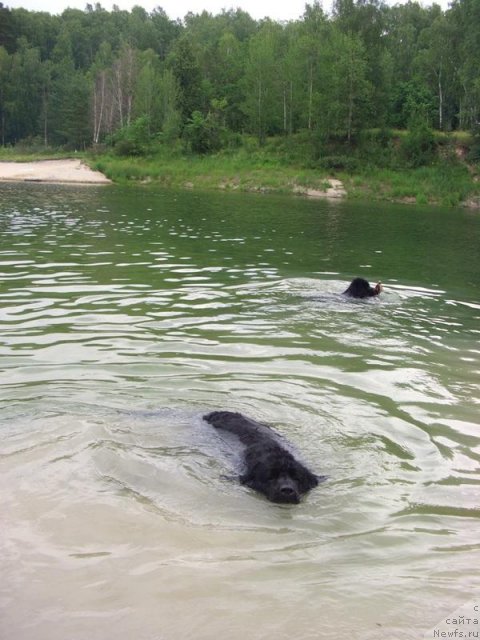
124	75
263	103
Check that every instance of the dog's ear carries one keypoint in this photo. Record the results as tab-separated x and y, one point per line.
247	480
311	480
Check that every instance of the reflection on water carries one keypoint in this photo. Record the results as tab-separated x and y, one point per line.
126	314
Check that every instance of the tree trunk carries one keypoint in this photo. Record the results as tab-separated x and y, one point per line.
290	124
98	106
45	116
310	97
350	107
260	114
440	100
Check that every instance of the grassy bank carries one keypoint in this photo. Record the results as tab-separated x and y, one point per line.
239	171
440	184
285	165
28	154
447	182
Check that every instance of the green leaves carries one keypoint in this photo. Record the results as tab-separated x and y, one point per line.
78	78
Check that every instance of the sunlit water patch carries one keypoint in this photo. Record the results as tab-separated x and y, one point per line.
127	314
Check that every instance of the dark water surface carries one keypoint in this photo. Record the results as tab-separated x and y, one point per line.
126	314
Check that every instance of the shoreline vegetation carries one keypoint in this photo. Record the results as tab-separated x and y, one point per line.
368	101
448	180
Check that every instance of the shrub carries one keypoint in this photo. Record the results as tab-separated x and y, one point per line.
377	147
128	147
202	133
338	163
418	146
473	154
133	139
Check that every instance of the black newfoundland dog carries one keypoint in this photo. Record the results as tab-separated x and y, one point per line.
360	288
269	468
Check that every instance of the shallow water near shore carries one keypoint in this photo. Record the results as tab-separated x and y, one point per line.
126	314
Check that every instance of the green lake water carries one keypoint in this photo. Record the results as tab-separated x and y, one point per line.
126	314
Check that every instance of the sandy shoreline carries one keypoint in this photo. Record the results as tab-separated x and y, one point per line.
53	171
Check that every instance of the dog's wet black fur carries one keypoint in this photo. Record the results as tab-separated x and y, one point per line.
269	467
360	288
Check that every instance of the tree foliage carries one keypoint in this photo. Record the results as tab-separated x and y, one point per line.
85	77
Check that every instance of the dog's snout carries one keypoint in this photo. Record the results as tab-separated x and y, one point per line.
287	491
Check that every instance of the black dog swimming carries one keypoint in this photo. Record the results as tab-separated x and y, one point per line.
360	288
269	467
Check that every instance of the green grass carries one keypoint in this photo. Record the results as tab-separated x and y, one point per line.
26	154
273	169
239	171
443	183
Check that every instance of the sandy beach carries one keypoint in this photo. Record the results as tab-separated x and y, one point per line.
54	171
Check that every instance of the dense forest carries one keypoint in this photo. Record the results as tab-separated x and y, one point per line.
127	78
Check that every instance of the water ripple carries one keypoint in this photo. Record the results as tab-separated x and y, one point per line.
124	321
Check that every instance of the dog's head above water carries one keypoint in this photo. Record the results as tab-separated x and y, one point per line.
360	288
270	468
273	471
